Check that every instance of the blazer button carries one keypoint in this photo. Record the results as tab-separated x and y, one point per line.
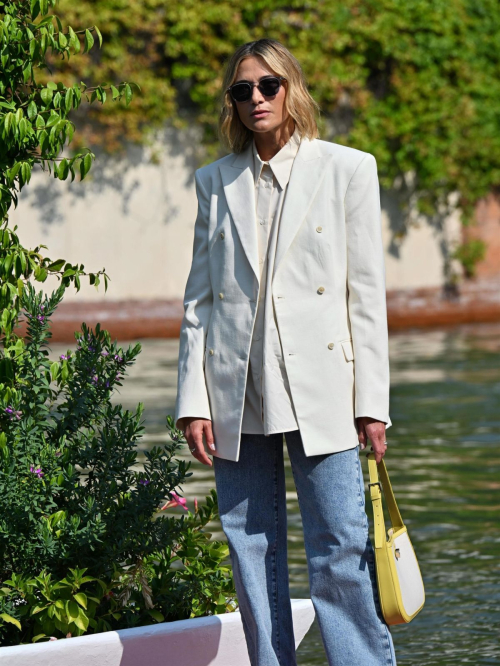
221	295
319	229
331	345
211	352
321	290
222	234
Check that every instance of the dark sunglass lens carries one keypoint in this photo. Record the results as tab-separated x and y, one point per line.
241	92
270	87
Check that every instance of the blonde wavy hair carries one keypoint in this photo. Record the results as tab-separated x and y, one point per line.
233	134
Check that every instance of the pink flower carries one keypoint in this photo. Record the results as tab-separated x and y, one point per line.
176	501
195	505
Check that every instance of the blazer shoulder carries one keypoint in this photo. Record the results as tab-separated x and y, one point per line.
346	154
206	173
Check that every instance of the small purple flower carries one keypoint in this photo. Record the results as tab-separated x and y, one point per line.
63	357
40	318
95	379
37	471
144	482
105	353
119	359
13	413
107	384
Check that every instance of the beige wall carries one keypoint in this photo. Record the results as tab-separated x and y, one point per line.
135	218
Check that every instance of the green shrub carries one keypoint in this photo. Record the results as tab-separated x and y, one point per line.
84	542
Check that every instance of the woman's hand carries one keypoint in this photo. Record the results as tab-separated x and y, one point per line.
373	430
194	429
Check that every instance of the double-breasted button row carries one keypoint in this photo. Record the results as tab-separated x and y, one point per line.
331	345
321	290
221	295
319	229
211	352
222	234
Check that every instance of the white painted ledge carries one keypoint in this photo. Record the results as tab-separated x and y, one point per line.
216	640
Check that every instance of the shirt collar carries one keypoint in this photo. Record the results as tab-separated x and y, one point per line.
281	163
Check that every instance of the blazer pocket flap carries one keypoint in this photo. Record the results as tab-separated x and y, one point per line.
348	349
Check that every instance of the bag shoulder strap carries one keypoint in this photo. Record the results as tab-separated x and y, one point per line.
375	471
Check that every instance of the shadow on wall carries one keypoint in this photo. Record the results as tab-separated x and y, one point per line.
53	200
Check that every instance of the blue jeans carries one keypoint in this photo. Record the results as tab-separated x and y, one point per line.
340	557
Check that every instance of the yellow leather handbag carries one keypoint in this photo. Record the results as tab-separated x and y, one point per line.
400	584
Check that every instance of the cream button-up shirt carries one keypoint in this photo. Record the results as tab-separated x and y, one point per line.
268	404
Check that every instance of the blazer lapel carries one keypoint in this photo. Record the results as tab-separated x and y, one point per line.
307	173
239	190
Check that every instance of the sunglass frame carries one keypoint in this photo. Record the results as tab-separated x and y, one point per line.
252	85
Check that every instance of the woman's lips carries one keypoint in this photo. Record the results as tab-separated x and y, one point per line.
260	114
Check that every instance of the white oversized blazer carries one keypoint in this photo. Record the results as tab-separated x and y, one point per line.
328	290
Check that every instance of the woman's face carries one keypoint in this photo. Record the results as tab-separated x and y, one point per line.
260	113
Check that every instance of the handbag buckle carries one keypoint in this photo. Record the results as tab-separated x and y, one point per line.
376	483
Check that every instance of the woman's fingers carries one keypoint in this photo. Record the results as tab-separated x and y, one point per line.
379	447
209	436
194	436
362	437
373	430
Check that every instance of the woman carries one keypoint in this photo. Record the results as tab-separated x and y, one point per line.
285	336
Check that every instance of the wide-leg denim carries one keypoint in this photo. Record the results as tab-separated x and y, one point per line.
340	557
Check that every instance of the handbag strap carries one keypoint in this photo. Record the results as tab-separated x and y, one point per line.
375	471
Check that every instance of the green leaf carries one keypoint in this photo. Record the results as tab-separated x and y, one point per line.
88	41
81	598
32	110
40	274
81	621
63	169
128	94
46	95
68	100
72	610
54	370
11	620
156	615
56	265
99	35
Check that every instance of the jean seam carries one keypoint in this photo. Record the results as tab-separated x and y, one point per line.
274	553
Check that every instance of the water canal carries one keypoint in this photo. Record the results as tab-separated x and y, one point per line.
444	465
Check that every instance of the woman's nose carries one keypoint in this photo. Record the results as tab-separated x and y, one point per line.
257	96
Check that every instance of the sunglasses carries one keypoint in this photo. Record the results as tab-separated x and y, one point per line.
242	92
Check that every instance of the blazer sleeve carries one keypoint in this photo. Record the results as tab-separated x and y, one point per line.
366	292
192	396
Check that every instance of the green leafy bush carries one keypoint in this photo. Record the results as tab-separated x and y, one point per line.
78	510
